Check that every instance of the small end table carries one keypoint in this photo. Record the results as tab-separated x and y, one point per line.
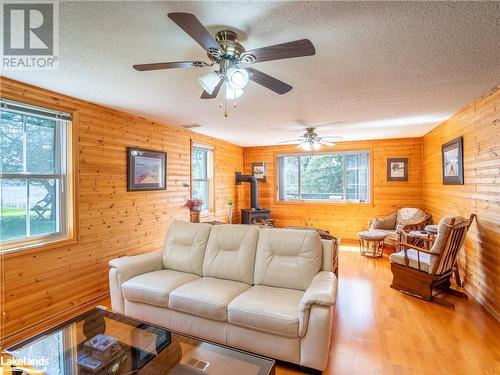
371	243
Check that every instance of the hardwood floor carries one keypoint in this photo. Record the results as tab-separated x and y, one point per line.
378	330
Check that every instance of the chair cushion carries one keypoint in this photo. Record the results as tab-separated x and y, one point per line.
388	222
230	252
185	246
207	297
373	235
426	260
443	229
267	309
287	258
409	215
154	287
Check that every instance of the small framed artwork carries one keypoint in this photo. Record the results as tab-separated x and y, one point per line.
397	169
453	163
146	170
259	171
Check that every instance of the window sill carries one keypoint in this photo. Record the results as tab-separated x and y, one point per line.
37	247
301	202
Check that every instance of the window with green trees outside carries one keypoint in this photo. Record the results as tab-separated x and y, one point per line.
328	176
33	155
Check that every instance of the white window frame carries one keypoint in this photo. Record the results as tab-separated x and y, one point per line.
209	173
63	165
326	201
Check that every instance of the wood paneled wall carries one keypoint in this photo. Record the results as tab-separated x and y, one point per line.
479	125
112	222
345	219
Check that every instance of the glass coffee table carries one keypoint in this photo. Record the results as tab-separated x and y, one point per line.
103	342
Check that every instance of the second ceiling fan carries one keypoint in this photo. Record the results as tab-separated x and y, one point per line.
226	54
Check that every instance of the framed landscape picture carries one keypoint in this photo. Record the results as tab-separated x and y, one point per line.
453	164
146	170
397	169
259	171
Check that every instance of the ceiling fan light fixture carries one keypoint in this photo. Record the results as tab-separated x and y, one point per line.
232	93
306	146
209	81
316	146
237	78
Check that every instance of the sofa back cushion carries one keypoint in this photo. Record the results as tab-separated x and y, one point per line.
230	252
288	258
185	246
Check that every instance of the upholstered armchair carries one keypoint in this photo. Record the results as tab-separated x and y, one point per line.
397	223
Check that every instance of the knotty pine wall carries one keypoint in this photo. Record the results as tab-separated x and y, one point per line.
345	219
112	222
479	125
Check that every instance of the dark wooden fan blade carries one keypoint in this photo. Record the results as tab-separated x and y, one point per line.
191	25
170	65
269	82
297	48
206	95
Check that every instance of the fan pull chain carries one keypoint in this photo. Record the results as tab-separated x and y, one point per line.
225	102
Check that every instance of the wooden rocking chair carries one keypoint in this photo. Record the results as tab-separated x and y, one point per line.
427	273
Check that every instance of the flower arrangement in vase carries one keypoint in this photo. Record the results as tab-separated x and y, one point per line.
230	203
194	206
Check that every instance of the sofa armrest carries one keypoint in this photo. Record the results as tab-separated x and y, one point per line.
330	255
130	266
321	292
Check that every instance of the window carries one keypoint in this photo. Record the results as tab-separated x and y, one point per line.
201	169
342	176
33	169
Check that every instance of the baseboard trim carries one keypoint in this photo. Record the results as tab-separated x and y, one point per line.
40	326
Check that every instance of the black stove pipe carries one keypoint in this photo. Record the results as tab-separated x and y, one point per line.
254	188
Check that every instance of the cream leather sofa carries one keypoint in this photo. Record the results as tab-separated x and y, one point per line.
267	291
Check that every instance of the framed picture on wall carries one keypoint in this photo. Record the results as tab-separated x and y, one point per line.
397	169
453	164
259	171
147	170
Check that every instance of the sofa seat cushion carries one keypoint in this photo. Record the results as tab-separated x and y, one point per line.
267	309
426	260
154	287
207	297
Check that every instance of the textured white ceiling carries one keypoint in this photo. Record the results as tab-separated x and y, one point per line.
384	70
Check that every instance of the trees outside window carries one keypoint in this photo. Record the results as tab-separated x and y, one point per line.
201	175
324	177
33	174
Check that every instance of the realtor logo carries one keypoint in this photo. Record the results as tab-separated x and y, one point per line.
30	35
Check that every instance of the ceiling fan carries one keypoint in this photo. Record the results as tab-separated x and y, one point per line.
226	55
311	140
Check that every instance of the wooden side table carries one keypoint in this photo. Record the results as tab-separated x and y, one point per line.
371	243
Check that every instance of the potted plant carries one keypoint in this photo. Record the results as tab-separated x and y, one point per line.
194	206
230	203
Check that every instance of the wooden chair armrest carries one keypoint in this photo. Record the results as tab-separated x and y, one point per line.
406	245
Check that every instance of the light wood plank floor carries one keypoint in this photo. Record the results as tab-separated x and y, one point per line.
379	330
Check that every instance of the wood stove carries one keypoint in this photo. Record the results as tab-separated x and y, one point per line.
251	216
255	214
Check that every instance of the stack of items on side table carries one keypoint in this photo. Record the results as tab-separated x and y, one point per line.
101	355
